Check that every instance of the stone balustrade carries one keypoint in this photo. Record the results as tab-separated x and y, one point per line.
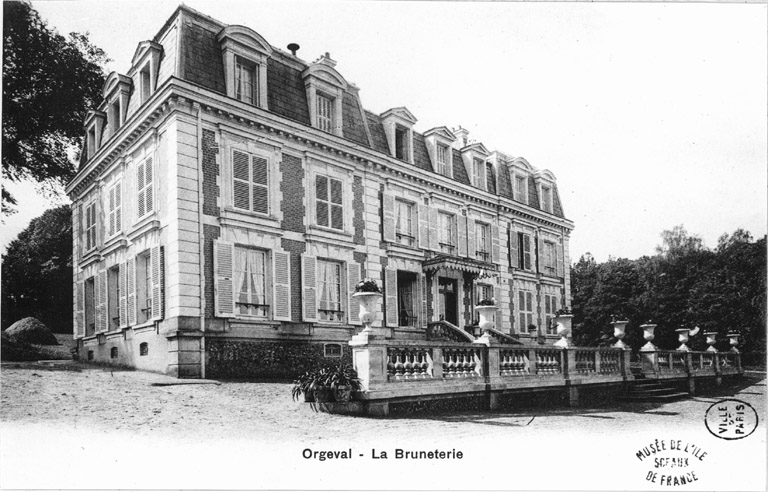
673	363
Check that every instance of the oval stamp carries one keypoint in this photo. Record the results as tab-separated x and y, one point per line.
731	419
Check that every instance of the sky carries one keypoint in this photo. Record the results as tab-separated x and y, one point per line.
650	115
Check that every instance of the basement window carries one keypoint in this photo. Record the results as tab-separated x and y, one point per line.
332	350
113	353
143	349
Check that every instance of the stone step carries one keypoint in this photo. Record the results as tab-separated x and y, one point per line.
652	398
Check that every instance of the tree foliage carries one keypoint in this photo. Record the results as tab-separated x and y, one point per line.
49	83
684	284
37	272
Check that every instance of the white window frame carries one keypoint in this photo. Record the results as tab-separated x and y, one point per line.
250	182
549	256
478	173
524	193
262	310
405	230
525	309
328	201
241	42
448	232
550	308
443	166
244	65
546	199
143	287
325	312
326	119
521	252
483	241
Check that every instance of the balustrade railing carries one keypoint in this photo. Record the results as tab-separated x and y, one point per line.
461	363
610	361
549	361
409	363
514	362
727	359
585	361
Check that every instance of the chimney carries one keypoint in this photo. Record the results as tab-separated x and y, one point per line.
294	48
462	136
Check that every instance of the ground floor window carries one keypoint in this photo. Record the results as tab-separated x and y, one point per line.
250	282
329	284
144	287
113	297
407	306
482	291
525	308
550	308
90	306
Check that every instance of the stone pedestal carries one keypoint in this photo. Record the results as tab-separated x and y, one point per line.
619	332
649	335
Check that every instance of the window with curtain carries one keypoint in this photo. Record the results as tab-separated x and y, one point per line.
250	282
246	82
447	230
329	287
404	225
482	241
550	308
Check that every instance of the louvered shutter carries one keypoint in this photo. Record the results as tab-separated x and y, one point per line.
434	237
423	306
353	278
141	200
118	207
101	299
224	291
281	286
79	309
560	259
260	185
150	185
423	226
495	244
337	205
321	194
540	254
156	265
527	257
130	278
461	222
122	308
390	290
80	232
241	180
388	204
111	200
514	254
309	287
471	245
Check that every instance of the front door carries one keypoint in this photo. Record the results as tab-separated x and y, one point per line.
447	298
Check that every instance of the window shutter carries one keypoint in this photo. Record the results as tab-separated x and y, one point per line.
80	231
540	254
156	265
150	185
309	287
471	246
260	185
122	309
514	255
281	286
434	244
423	291
495	243
101	300
118	207
130	278
560	259
79	309
526	252
240	180
461	222
111	231
224	295
388	203
141	202
321	202
390	287
423	226
353	278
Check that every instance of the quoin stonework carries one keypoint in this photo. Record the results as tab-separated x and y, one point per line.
231	195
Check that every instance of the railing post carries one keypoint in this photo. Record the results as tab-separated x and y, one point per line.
718	370
598	361
737	358
532	361
655	361
493	370
437	363
569	362
626	361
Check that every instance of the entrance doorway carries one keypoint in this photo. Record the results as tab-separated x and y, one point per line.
447	294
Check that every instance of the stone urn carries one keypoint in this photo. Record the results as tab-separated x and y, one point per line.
711	340
563	329
682	337
369	306
486	313
734	337
648	334
619	332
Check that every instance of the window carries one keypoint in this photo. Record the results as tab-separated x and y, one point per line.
329	285
477	173
402	143
250	182
90	306
546	199
404	223
90	355
115	210
442	160
113	353
332	350
324	113
550	307
145	188
328	194
483	241
521	189
90	226
407	306
447	232
490	178
115	117
113	297
549	257
246	81
143	349
525	308
524	251
144	287
91	141
145	81
250	282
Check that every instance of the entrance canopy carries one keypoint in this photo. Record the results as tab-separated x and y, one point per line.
475	267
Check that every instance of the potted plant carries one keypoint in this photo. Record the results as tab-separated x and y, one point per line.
303	386
327	384
367	292
342	381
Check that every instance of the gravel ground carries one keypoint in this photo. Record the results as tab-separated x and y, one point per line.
80	400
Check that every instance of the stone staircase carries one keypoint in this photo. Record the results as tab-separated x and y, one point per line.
651	390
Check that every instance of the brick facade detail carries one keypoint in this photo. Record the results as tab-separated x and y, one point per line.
211	191
293	189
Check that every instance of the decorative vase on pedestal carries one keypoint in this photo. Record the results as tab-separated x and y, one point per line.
711	340
486	318
563	324
682	337
734	336
619	328
649	336
369	303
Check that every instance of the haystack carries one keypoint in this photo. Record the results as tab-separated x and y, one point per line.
13	351
31	331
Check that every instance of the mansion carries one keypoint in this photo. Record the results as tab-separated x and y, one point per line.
230	196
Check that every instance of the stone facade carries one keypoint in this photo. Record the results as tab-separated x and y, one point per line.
232	193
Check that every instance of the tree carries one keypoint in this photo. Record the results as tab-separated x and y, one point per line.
37	272
49	83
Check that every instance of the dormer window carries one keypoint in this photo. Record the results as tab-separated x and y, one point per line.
94	124
439	141
546	198
478	173
146	64
116	91
521	189
246	81
145	81
245	55
325	92
442	159
324	112
402	143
